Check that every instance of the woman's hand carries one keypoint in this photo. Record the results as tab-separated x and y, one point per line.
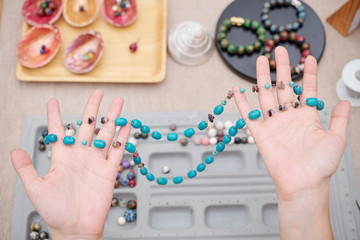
298	153
74	197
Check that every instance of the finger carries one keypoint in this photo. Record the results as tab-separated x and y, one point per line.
284	93
116	154
86	130
55	124
266	96
340	118
25	169
309	84
107	130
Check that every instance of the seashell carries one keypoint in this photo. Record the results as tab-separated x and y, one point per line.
84	52
119	13
80	13
190	43
35	15
30	51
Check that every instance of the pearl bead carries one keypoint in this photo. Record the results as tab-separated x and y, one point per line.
197	141
132	163
228	124
232	141
219	125
121	221
205	141
166	170
213	140
117	128
133	141
251	140
212	132
70	132
248	132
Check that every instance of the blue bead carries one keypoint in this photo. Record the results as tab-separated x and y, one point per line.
301	15
51	138
273	28
131	175
295	26
42	51
145	129
218	109
189	132
202	125
177	179
192	174
232	131
79	122
226	139
120	122
143	171
320	106
297	89
84	142
136	123
130	215
214	153
124	181
267	22
267	86
201	167
137	160
220	147
130	147
240	124
210	159
223	102
45	133
242	90
254	114
312	102
156	135
98	143
172	137
291	83
300	8
161	181
68	140
150	177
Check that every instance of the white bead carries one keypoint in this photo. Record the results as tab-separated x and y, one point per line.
212	132
166	169
117	128
248	132
219	125
49	154
121	221
133	141
118	1
70	132
251	140
228	124
213	140
132	163
114	8
232	141
197	141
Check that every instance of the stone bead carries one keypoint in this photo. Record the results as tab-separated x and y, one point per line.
79	122
247	23
173	127
184	142
122	203
124	181
84	142
241	50
213	140
130	215
116	144
161	181
35	227
34	235
276	38
237	140
226	139
211	117
249	49
212	132
117	184
98	143
133	141
257	45
226	22
301	14
242	90
44	133
131	204
220	36
125	164
172	136
218	109
305	46
144	135
156	135
137	135
300	40
143	171
219	139
254	114
240	124
114	202
192	174
210	159
136	123
232	141
262	39
214	153
165	170
228	124
224	43
130	147
312	102
145	129
232	131
136	154
137	160
189	132
197	141
320	105
104	120
291	84
205	141
43	235
121	221
178	180
51	138
150	177
254	25
219	133
132	183
97	130
120	122
297	89
210	125
251	140
202	125
231	49
244	140
201	167
272	64
222	29
220	146
131	175
267	86
219	125
70	132
68	140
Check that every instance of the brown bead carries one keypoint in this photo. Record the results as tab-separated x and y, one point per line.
91	120
144	135
97	130
35	227
116	144
117	184
230	94
183	142
42	147
220	139
244	140
255	88
211	117
271	112
81	8
120	168
137	135
141	165
104	120
114	202
69	126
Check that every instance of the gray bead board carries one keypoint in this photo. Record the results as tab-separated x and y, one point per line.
234	198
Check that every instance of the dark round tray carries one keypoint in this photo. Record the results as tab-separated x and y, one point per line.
312	30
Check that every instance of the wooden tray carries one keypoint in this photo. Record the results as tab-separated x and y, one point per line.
118	64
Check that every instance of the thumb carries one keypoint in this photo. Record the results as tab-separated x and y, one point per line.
340	118
25	169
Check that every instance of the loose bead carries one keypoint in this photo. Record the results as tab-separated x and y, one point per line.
189	132
178	180
218	109
192	174
145	129
51	138
156	135
150	177
143	171
116	144
201	167
213	140
297	89
165	169
219	125
202	125
68	140
254	114
144	135
197	141
172	137
219	133
173	127
226	139
223	102
70	132
320	105
220	146
121	221
228	124
35	227
124	181
125	164
132	183
267	86
130	147
122	203
161	181
242	90
34	235
136	123
117	184
240	124
43	235
237	140
183	142
251	140
137	160
114	202
120	122
205	141
212	132
232	131
79	122
130	215
312	102
131	174
131	204
98	143
137	135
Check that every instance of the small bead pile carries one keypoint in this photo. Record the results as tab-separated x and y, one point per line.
46	8
129	214
35	233
89	55
126	168
120	7
44	50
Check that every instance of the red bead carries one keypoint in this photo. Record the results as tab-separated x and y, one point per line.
267	49
97	130
270	43
272	64
40	12
132	183
268	56
292	36
136	154
306	53
219	139
305	46
302	60
300	40
133	47
284	36
46	50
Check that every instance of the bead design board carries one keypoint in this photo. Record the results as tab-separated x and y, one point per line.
234	198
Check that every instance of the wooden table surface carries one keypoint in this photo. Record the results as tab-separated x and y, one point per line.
184	88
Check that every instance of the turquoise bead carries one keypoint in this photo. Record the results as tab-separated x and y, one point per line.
320	106
120	122
98	143
232	131
291	83
79	122
214	153
68	140
161	181
130	147
84	142
143	171
156	135
145	129
218	109
254	114
240	124
172	137
223	102
136	123
201	167
202	125
226	139
137	160
192	174
189	132
242	90
209	159
51	138
45	141
297	89
267	86
220	147
150	177
177	179
312	102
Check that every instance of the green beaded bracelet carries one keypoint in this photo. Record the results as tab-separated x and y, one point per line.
241	49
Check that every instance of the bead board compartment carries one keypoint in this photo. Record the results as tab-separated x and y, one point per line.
235	205
312	30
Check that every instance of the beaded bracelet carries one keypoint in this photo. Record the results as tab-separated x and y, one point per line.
241	49
300	13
